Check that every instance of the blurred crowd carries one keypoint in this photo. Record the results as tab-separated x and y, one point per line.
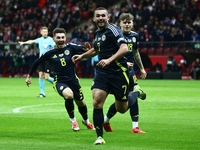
17	63
22	20
154	20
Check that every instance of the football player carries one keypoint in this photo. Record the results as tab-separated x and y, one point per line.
66	82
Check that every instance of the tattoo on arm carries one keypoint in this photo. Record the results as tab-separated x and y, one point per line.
137	59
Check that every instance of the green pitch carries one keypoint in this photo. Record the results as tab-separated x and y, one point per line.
170	115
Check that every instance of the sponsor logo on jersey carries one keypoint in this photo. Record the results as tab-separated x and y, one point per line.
134	39
60	55
66	52
103	38
120	39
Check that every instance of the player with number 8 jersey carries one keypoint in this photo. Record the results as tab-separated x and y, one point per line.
65	79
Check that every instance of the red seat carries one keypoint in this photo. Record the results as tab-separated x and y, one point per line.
159	51
182	50
174	50
85	15
144	50
151	51
167	51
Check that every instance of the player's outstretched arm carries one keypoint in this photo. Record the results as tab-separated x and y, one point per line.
138	60
28	80
89	54
27	42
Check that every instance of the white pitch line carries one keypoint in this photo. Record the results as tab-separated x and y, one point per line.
17	110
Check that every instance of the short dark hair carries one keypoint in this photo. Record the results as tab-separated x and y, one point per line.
59	30
101	8
126	16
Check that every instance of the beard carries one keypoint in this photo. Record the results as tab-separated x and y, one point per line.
60	44
101	24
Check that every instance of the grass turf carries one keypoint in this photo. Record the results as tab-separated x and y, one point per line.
170	116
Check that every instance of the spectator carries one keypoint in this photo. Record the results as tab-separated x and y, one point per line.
195	38
179	35
187	35
24	61
142	36
155	35
173	36
76	34
32	56
156	68
174	21
123	4
9	62
196	24
1	63
195	71
171	65
167	21
91	7
85	37
166	35
16	64
180	68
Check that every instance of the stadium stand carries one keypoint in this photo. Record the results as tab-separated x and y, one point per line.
22	20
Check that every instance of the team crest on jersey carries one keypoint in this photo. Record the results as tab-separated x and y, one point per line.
103	38
99	38
61	87
129	40
45	45
134	39
60	55
66	52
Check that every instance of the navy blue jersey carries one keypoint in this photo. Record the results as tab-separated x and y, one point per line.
107	43
60	59
132	43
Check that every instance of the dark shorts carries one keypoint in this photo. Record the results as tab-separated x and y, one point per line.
132	80
117	84
45	67
73	85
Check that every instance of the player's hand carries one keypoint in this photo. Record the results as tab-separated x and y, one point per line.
143	74
21	43
76	57
86	46
104	62
28	80
129	64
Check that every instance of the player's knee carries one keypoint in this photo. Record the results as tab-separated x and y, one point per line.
80	103
122	111
47	78
68	94
97	104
